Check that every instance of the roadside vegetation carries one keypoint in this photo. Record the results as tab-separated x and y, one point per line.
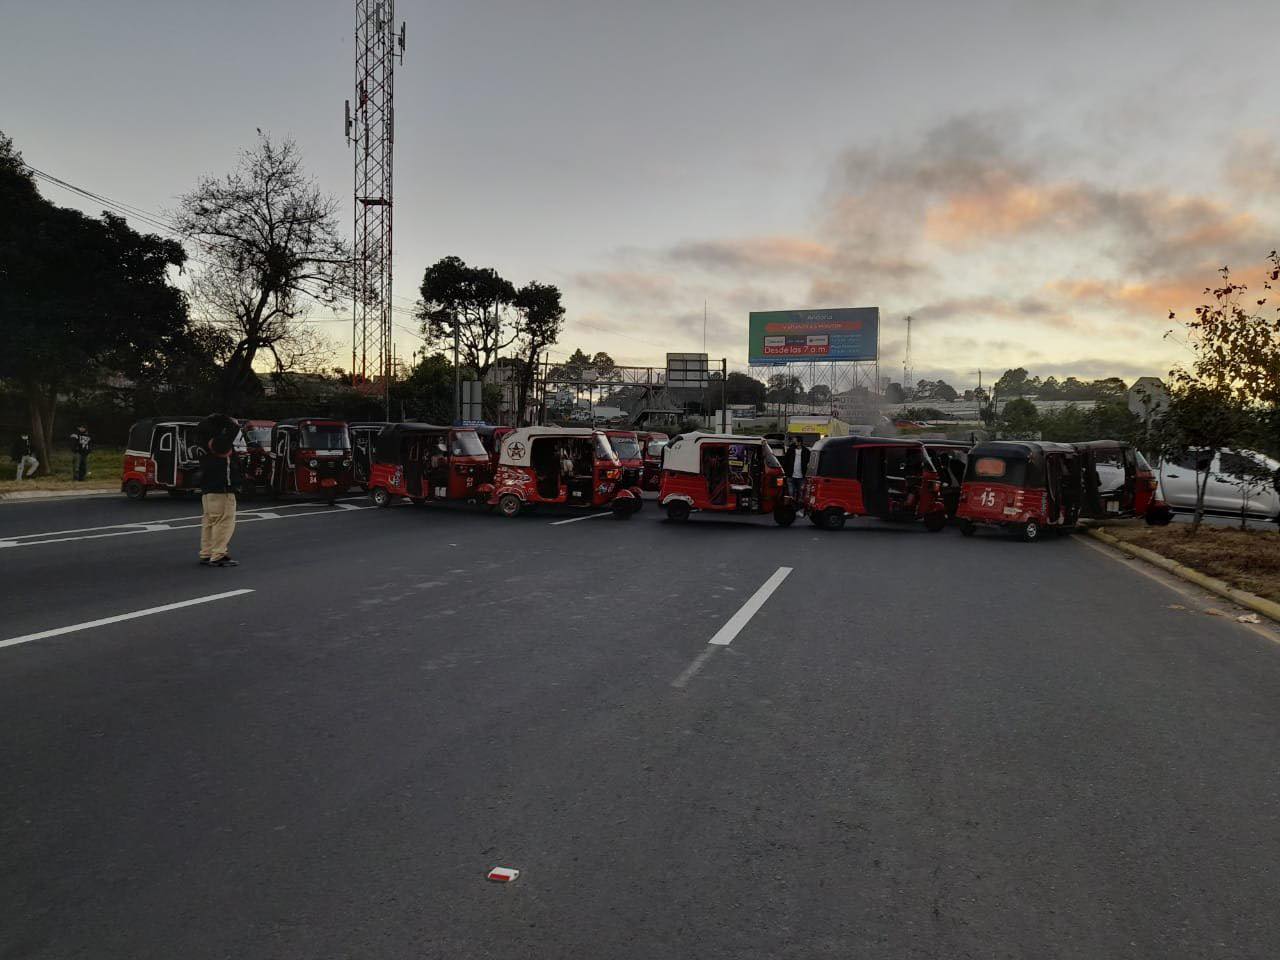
1245	559
104	471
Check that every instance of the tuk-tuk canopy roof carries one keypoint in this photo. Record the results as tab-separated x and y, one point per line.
826	443
298	421
387	444
683	451
140	432
517	446
1018	449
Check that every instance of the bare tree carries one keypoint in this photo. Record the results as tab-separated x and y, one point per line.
269	239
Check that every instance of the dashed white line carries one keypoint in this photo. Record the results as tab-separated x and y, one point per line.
724	636
88	625
590	516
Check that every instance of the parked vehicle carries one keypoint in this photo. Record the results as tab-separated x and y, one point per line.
651	445
626	444
491	437
1022	486
162	453
1238	481
429	464
810	429
881	477
575	466
949	458
363	434
311	455
1118	482
723	473
255	448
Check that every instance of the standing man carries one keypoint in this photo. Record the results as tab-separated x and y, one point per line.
81	444
24	458
219	481
795	462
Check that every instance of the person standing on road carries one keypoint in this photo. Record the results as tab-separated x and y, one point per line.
794	463
81	445
24	458
219	481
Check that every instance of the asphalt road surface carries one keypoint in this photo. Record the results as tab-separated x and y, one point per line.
914	745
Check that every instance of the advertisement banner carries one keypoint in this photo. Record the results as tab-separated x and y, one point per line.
785	336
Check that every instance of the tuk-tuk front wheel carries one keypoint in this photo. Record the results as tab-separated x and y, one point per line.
678	510
1029	532
135	489
380	496
509	505
622	510
831	518
968	528
784	516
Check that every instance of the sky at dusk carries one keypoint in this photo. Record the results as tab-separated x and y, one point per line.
1037	184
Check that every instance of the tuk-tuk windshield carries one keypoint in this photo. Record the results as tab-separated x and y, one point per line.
604	450
258	437
625	447
323	437
655	447
769	459
466	443
998	470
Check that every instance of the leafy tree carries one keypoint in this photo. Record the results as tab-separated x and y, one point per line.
784	388
1019	419
471	303
1050	389
1108	388
573	368
1201	419
741	388
1011	383
272	245
427	391
604	365
79	298
540	317
944	391
819	393
894	393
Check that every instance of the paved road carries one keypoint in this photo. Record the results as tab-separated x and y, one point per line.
918	746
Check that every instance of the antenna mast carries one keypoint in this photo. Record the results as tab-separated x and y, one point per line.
370	128
906	359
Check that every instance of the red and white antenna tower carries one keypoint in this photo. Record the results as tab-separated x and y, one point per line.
370	128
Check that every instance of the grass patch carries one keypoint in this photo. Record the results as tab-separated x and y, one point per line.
1246	559
104	471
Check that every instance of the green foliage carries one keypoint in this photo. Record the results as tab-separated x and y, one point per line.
784	388
1019	419
740	388
471	304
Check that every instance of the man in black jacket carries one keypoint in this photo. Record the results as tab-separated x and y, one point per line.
21	455
81	445
219	481
795	463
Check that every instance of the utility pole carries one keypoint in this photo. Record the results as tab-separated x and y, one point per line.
370	128
906	359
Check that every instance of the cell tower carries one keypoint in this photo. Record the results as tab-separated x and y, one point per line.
370	128
906	359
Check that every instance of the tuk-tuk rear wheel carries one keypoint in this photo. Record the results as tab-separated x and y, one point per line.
968	528
509	505
784	516
678	510
832	518
135	489
934	522
380	497
1029	531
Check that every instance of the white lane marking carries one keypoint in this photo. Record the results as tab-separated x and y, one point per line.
724	636
124	530
698	663
590	516
88	625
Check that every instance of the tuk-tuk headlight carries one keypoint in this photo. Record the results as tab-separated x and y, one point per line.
313	464
346	463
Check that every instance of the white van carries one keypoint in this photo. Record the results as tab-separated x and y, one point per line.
1236	478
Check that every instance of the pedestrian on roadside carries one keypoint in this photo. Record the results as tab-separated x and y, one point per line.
219	480
795	462
22	455
81	445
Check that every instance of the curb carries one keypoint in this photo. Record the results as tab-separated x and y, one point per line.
1268	608
54	494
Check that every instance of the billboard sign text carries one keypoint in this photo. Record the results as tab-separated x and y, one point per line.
787	336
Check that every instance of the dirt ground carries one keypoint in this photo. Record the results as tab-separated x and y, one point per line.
104	471
1247	559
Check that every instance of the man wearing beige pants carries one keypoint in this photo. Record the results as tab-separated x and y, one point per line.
219	480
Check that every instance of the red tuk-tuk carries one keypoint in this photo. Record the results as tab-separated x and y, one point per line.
162	453
949	459
311	455
256	455
560	465
1118	482
651	446
626	444
363	433
1024	486
429	464
892	479
723	473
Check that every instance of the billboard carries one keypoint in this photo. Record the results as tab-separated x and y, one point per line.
687	370
786	336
